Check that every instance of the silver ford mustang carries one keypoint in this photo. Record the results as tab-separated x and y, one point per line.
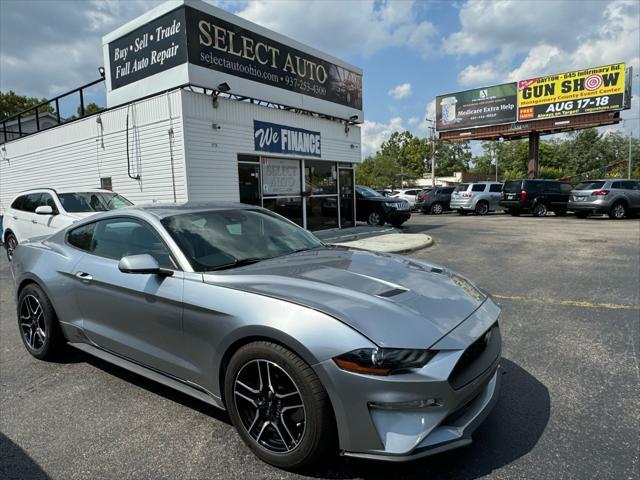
301	342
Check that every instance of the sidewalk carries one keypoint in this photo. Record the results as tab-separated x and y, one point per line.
378	239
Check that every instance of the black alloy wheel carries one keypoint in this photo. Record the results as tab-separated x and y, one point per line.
278	405
38	324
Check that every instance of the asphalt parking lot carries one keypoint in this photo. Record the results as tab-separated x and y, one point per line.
569	406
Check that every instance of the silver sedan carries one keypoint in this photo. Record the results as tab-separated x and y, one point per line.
306	345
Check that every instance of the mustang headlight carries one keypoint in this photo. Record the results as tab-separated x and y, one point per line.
383	361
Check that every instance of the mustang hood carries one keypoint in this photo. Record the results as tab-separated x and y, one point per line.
392	300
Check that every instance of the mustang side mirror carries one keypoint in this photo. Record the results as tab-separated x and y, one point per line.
143	263
44	210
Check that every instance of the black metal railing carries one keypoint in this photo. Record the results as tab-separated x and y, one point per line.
9	125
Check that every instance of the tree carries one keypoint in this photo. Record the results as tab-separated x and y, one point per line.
452	157
89	109
11	104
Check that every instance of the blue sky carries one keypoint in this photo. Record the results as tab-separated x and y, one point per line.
410	51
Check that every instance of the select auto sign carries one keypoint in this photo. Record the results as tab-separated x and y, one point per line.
273	68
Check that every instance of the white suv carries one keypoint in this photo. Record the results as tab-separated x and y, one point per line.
407	194
44	211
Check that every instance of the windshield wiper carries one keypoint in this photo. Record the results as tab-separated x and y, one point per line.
235	264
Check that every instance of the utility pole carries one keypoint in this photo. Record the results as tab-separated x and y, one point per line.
432	134
629	166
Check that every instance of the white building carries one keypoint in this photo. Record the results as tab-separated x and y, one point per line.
169	134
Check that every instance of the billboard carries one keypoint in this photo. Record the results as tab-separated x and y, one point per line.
581	91
475	108
190	42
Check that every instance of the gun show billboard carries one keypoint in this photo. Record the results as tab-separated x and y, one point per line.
572	93
476	108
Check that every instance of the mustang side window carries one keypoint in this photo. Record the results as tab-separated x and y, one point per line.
119	237
81	237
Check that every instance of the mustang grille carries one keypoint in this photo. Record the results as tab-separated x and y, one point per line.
466	368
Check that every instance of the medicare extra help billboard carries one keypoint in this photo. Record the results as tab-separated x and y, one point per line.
191	42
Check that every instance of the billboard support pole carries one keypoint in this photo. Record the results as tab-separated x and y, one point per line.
534	155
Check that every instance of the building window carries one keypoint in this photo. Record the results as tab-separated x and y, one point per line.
105	183
289	207
320	178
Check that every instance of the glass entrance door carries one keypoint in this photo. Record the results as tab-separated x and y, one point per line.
249	176
346	197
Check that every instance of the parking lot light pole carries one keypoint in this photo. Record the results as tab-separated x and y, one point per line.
629	165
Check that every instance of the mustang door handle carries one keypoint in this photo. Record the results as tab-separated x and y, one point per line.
34	221
85	277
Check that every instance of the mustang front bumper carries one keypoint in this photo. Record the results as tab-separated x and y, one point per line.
437	408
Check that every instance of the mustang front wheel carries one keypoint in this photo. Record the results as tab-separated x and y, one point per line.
278	405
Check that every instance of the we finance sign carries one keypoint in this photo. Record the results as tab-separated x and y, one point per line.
582	91
274	138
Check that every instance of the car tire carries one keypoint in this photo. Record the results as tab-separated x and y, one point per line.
539	210
462	212
582	214
482	208
375	218
38	324
257	374
10	244
436	208
618	211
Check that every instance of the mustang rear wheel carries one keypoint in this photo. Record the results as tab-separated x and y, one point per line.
39	328
278	405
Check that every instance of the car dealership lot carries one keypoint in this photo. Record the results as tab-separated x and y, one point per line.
568	408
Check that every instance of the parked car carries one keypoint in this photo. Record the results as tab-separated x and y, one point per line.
385	192
535	196
421	196
408	194
479	197
376	209
44	211
437	201
617	198
394	357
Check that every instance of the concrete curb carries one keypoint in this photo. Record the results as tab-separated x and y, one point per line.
392	242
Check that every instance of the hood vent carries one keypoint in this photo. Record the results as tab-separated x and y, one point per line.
392	293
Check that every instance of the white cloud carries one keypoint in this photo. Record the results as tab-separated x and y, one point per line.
479	75
413	121
374	133
400	91
67	50
600	34
362	27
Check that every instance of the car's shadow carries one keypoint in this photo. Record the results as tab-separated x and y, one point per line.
16	464
511	431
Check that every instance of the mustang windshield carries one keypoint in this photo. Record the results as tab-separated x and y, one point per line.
220	239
